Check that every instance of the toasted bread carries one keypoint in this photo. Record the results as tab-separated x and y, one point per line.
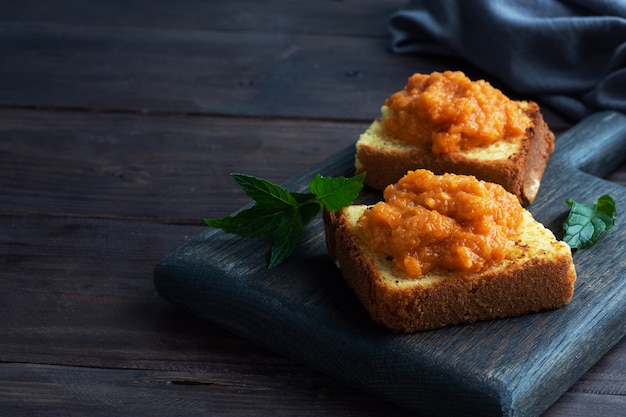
537	274
516	163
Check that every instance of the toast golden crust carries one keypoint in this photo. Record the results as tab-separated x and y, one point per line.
539	275
517	165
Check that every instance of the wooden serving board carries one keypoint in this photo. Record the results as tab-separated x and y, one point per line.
510	367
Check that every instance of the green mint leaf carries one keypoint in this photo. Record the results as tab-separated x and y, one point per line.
265	192
254	221
587	223
281	214
309	207
286	237
335	193
302	199
309	211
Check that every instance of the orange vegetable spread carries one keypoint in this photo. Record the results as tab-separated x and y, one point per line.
452	113
451	221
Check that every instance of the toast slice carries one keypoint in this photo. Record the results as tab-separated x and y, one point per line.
537	273
516	163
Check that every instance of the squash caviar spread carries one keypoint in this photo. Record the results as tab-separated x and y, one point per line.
450	221
452	113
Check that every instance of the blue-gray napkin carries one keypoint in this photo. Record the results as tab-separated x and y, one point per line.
569	54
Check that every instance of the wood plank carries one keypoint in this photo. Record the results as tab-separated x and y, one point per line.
369	17
81	255
585	405
214	72
263	74
123	347
56	390
175	169
100	331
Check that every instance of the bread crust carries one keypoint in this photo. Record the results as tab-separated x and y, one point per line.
528	283
519	174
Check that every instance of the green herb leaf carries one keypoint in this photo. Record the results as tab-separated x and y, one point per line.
287	237
309	211
587	223
254	221
264	192
309	207
281	214
335	193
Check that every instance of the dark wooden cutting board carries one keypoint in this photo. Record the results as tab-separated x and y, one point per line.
511	367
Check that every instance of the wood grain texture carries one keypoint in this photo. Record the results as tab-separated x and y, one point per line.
170	169
209	72
510	367
47	390
50	254
217	72
119	124
286	16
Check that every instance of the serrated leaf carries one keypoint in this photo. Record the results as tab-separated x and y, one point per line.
254	221
587	223
287	237
308	205
335	193
304	198
265	192
283	214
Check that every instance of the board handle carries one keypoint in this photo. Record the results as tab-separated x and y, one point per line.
596	145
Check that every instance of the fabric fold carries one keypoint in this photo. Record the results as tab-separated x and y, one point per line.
569	54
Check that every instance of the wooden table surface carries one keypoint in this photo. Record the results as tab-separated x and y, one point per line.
119	124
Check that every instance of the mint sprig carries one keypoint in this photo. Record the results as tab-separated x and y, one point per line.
586	223
282	214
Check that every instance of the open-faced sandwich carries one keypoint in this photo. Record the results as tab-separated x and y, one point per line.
444	122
